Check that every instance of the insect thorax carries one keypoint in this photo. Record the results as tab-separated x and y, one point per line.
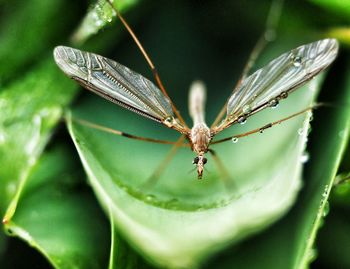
200	138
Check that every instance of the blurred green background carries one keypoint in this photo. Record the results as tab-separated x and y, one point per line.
52	217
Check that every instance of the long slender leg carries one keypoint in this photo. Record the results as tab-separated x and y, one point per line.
152	180
342	180
148	59
268	36
267	126
116	132
225	176
156	174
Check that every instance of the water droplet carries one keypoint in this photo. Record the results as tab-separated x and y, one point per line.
284	95
326	209
312	254
221	203
234	140
300	131
273	103
125	188
254	97
297	60
305	157
320	223
261	130
173	203
242	119
247	109
169	118
150	198
37	120
11	189
169	121
325	193
97	20
2	138
342	134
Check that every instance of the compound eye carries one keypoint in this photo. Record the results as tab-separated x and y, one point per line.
195	160
205	160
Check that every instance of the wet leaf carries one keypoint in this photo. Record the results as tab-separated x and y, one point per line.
60	219
180	221
31	108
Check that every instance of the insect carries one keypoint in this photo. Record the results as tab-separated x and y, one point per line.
264	88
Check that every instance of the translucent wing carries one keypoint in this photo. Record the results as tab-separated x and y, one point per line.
116	83
268	85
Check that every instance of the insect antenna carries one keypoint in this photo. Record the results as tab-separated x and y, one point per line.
269	125
267	36
148	59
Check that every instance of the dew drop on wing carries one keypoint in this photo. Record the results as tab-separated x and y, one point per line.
284	95
247	109
242	119
273	103
169	120
297	60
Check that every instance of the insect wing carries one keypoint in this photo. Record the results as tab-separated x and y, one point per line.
114	82
276	80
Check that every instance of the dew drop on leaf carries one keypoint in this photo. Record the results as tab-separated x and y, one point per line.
304	157
326	209
300	131
234	140
150	197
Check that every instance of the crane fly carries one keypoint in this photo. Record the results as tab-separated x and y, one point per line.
266	87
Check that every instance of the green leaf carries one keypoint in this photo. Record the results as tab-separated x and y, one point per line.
333	243
180	221
98	17
325	166
121	255
27	29
30	109
290	243
339	7
60	219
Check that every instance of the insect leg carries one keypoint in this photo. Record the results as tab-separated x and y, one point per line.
341	179
267	126
116	132
148	59
225	176
267	36
152	180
